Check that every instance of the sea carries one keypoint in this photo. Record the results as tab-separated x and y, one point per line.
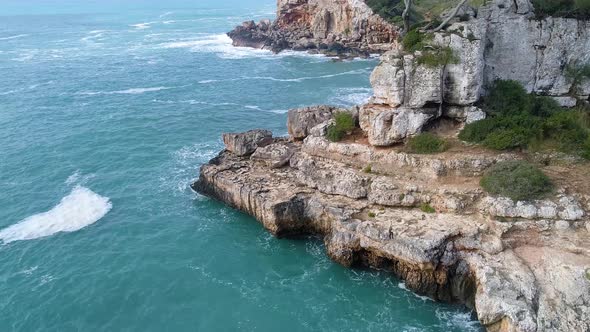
107	111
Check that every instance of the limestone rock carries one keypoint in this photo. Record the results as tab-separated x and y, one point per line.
300	121
567	208
274	155
385	126
333	27
521	275
566	101
244	144
329	179
468	114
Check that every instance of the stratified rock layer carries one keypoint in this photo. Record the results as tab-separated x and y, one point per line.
520	265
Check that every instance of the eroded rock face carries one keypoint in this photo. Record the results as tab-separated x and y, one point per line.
301	121
518	274
243	144
387	126
503	41
332	27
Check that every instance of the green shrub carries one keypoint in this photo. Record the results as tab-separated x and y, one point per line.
563	8
517	180
576	73
426	208
371	215
439	56
368	169
427	143
543	106
507	97
521	120
343	123
585	150
505	139
416	40
588	274
565	129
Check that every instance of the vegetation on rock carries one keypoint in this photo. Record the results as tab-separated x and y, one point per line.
576	73
371	214
422	10
426	208
563	8
426	143
343	123
517	180
520	120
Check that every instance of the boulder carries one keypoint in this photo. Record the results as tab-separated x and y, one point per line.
244	144
300	121
468	114
274	155
387	126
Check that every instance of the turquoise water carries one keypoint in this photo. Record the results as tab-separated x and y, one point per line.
107	110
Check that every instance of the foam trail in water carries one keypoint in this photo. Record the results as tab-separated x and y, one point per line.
81	208
133	91
221	45
13	37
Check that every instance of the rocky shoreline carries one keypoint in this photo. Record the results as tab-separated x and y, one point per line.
343	29
527	273
520	265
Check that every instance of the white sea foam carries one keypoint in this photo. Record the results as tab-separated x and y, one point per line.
221	45
81	208
294	80
457	319
13	37
78	178
421	297
132	91
351	96
142	26
166	14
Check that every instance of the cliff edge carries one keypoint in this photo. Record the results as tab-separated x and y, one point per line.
521	264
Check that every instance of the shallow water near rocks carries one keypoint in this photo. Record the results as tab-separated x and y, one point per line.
107	110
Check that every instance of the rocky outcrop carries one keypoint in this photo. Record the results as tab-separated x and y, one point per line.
520	265
244	144
327	26
503	41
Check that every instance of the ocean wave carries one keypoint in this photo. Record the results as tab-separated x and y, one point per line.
142	26
221	45
81	208
351	96
166	14
132	91
402	285
458	319
14	37
293	80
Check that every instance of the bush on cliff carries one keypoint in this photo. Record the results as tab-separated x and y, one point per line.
518	120
517	180
563	8
343	124
426	143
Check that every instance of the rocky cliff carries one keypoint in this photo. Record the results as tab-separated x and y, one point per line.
521	265
327	26
503	40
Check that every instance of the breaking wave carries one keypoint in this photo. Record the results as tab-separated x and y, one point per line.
132	91
221	45
13	37
81	208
